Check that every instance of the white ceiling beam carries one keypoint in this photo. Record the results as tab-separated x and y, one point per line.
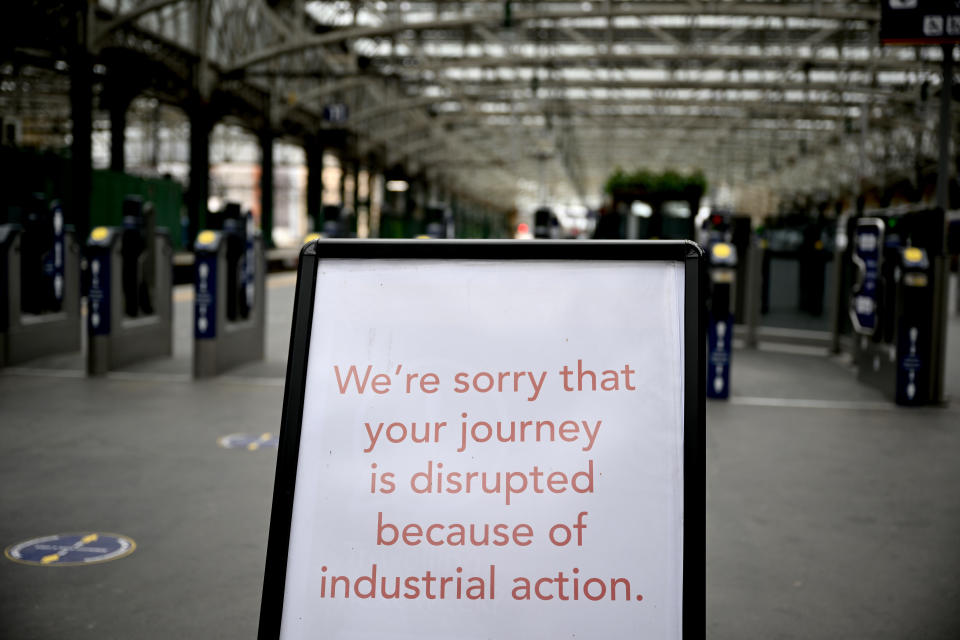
622	10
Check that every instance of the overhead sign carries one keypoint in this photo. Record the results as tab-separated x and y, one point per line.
491	440
71	549
919	22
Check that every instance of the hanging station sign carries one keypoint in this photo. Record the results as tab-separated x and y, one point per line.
919	22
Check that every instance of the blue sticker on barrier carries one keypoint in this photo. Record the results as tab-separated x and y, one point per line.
719	351
205	302
249	442
98	300
911	373
71	549
59	251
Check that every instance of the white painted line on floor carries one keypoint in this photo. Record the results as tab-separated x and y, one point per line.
147	376
184	292
800	403
793	349
46	373
263	382
142	376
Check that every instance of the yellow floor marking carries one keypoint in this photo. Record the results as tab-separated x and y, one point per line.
253	446
85	540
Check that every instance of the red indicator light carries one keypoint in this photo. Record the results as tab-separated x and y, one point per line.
523	227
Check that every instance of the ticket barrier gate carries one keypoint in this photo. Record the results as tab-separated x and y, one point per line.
723	269
129	308
230	301
439	222
334	225
39	286
891	309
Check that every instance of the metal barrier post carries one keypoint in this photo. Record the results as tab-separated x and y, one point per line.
754	289
838	296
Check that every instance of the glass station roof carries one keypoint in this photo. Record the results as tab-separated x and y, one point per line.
495	97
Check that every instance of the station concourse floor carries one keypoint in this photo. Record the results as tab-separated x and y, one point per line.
831	513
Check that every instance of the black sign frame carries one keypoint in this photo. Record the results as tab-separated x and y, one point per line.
690	255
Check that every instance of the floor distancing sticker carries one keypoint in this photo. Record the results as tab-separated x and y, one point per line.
71	549
248	441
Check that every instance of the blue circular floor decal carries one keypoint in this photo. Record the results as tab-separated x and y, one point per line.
248	442
71	549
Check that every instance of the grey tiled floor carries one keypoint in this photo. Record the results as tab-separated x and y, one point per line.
823	521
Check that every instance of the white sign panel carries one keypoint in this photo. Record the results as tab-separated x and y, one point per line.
490	449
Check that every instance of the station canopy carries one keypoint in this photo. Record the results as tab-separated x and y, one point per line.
494	98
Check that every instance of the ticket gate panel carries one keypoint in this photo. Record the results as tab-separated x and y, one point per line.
115	338
27	336
869	310
222	342
893	309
